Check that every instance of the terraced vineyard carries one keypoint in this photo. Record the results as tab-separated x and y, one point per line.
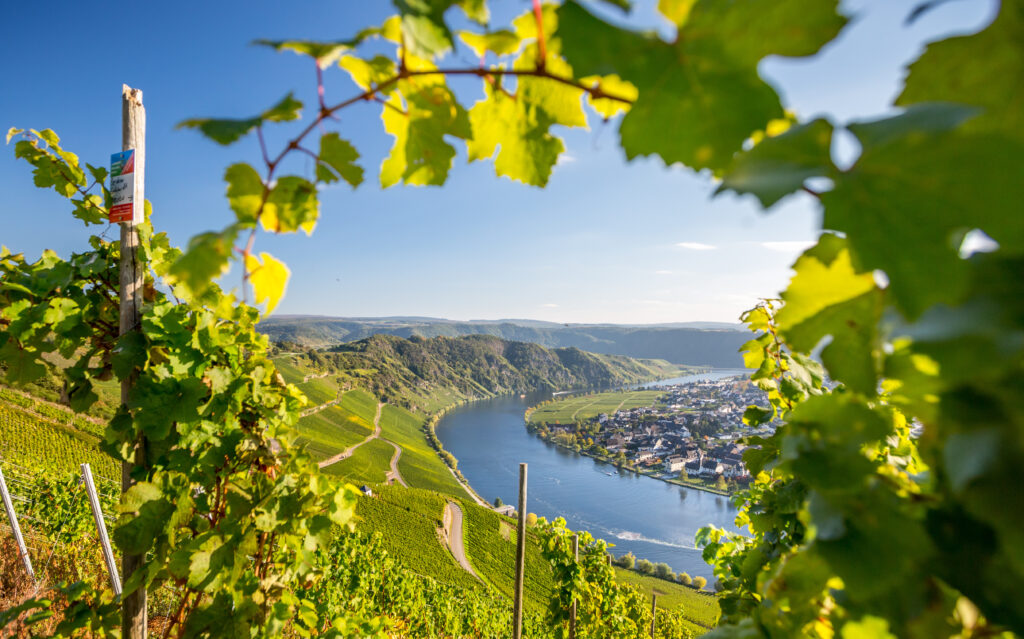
34	433
699	607
581	407
491	548
408	519
369	464
419	464
328	432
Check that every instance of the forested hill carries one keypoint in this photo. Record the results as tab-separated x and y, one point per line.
699	343
419	371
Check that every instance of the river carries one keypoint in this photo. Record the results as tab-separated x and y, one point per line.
650	518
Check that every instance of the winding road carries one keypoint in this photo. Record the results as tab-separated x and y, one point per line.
455	541
345	454
393	474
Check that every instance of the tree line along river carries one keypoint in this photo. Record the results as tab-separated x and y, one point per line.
652	519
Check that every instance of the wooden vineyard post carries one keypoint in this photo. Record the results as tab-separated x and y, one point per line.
654	612
517	612
572	608
101	529
12	518
133	136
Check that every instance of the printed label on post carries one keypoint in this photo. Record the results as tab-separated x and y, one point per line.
122	186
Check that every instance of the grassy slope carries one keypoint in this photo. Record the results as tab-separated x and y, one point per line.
701	608
419	464
408	520
566	411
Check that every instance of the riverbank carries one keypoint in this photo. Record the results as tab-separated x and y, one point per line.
687	483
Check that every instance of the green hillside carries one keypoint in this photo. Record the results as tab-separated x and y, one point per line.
582	407
428	374
701	343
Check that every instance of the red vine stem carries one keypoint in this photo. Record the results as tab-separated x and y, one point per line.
371	95
538	15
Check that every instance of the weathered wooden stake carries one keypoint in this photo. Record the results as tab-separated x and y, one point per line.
572	608
133	136
101	529
654	612
12	517
517	612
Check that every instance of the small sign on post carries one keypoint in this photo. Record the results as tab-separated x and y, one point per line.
122	188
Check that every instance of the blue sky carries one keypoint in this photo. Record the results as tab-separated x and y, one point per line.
607	241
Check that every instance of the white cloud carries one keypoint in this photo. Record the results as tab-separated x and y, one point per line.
789	246
663	272
696	246
549	305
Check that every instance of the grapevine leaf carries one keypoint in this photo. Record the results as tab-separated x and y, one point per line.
325	53
227	131
560	103
907	200
700	97
867	627
371	73
824	276
528	151
205	259
611	85
338	159
222	131
780	165
291	205
13	131
502	42
245	192
269	277
24	365
420	155
286	110
973	70
424	31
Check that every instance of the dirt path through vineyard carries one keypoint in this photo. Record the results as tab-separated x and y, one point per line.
345	454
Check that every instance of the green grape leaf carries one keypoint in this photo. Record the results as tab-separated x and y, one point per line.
286	110
975	69
424	31
778	166
421	155
611	85
291	205
907	201
269	278
828	297
501	42
222	131
561	103
528	151
245	192
337	159
228	131
700	97
206	258
371	73
24	365
867	627
13	131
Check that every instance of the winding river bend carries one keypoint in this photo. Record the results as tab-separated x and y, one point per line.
650	518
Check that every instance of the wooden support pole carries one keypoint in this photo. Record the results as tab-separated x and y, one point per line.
101	529
654	612
133	136
517	611
572	607
12	518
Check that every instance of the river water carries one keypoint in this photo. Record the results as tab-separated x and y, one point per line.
650	518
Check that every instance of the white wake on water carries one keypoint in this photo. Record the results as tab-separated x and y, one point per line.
629	535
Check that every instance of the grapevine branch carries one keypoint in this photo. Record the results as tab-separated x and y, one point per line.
372	94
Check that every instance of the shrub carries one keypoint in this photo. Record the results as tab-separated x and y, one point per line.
645	567
684	579
663	571
700	582
627	561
